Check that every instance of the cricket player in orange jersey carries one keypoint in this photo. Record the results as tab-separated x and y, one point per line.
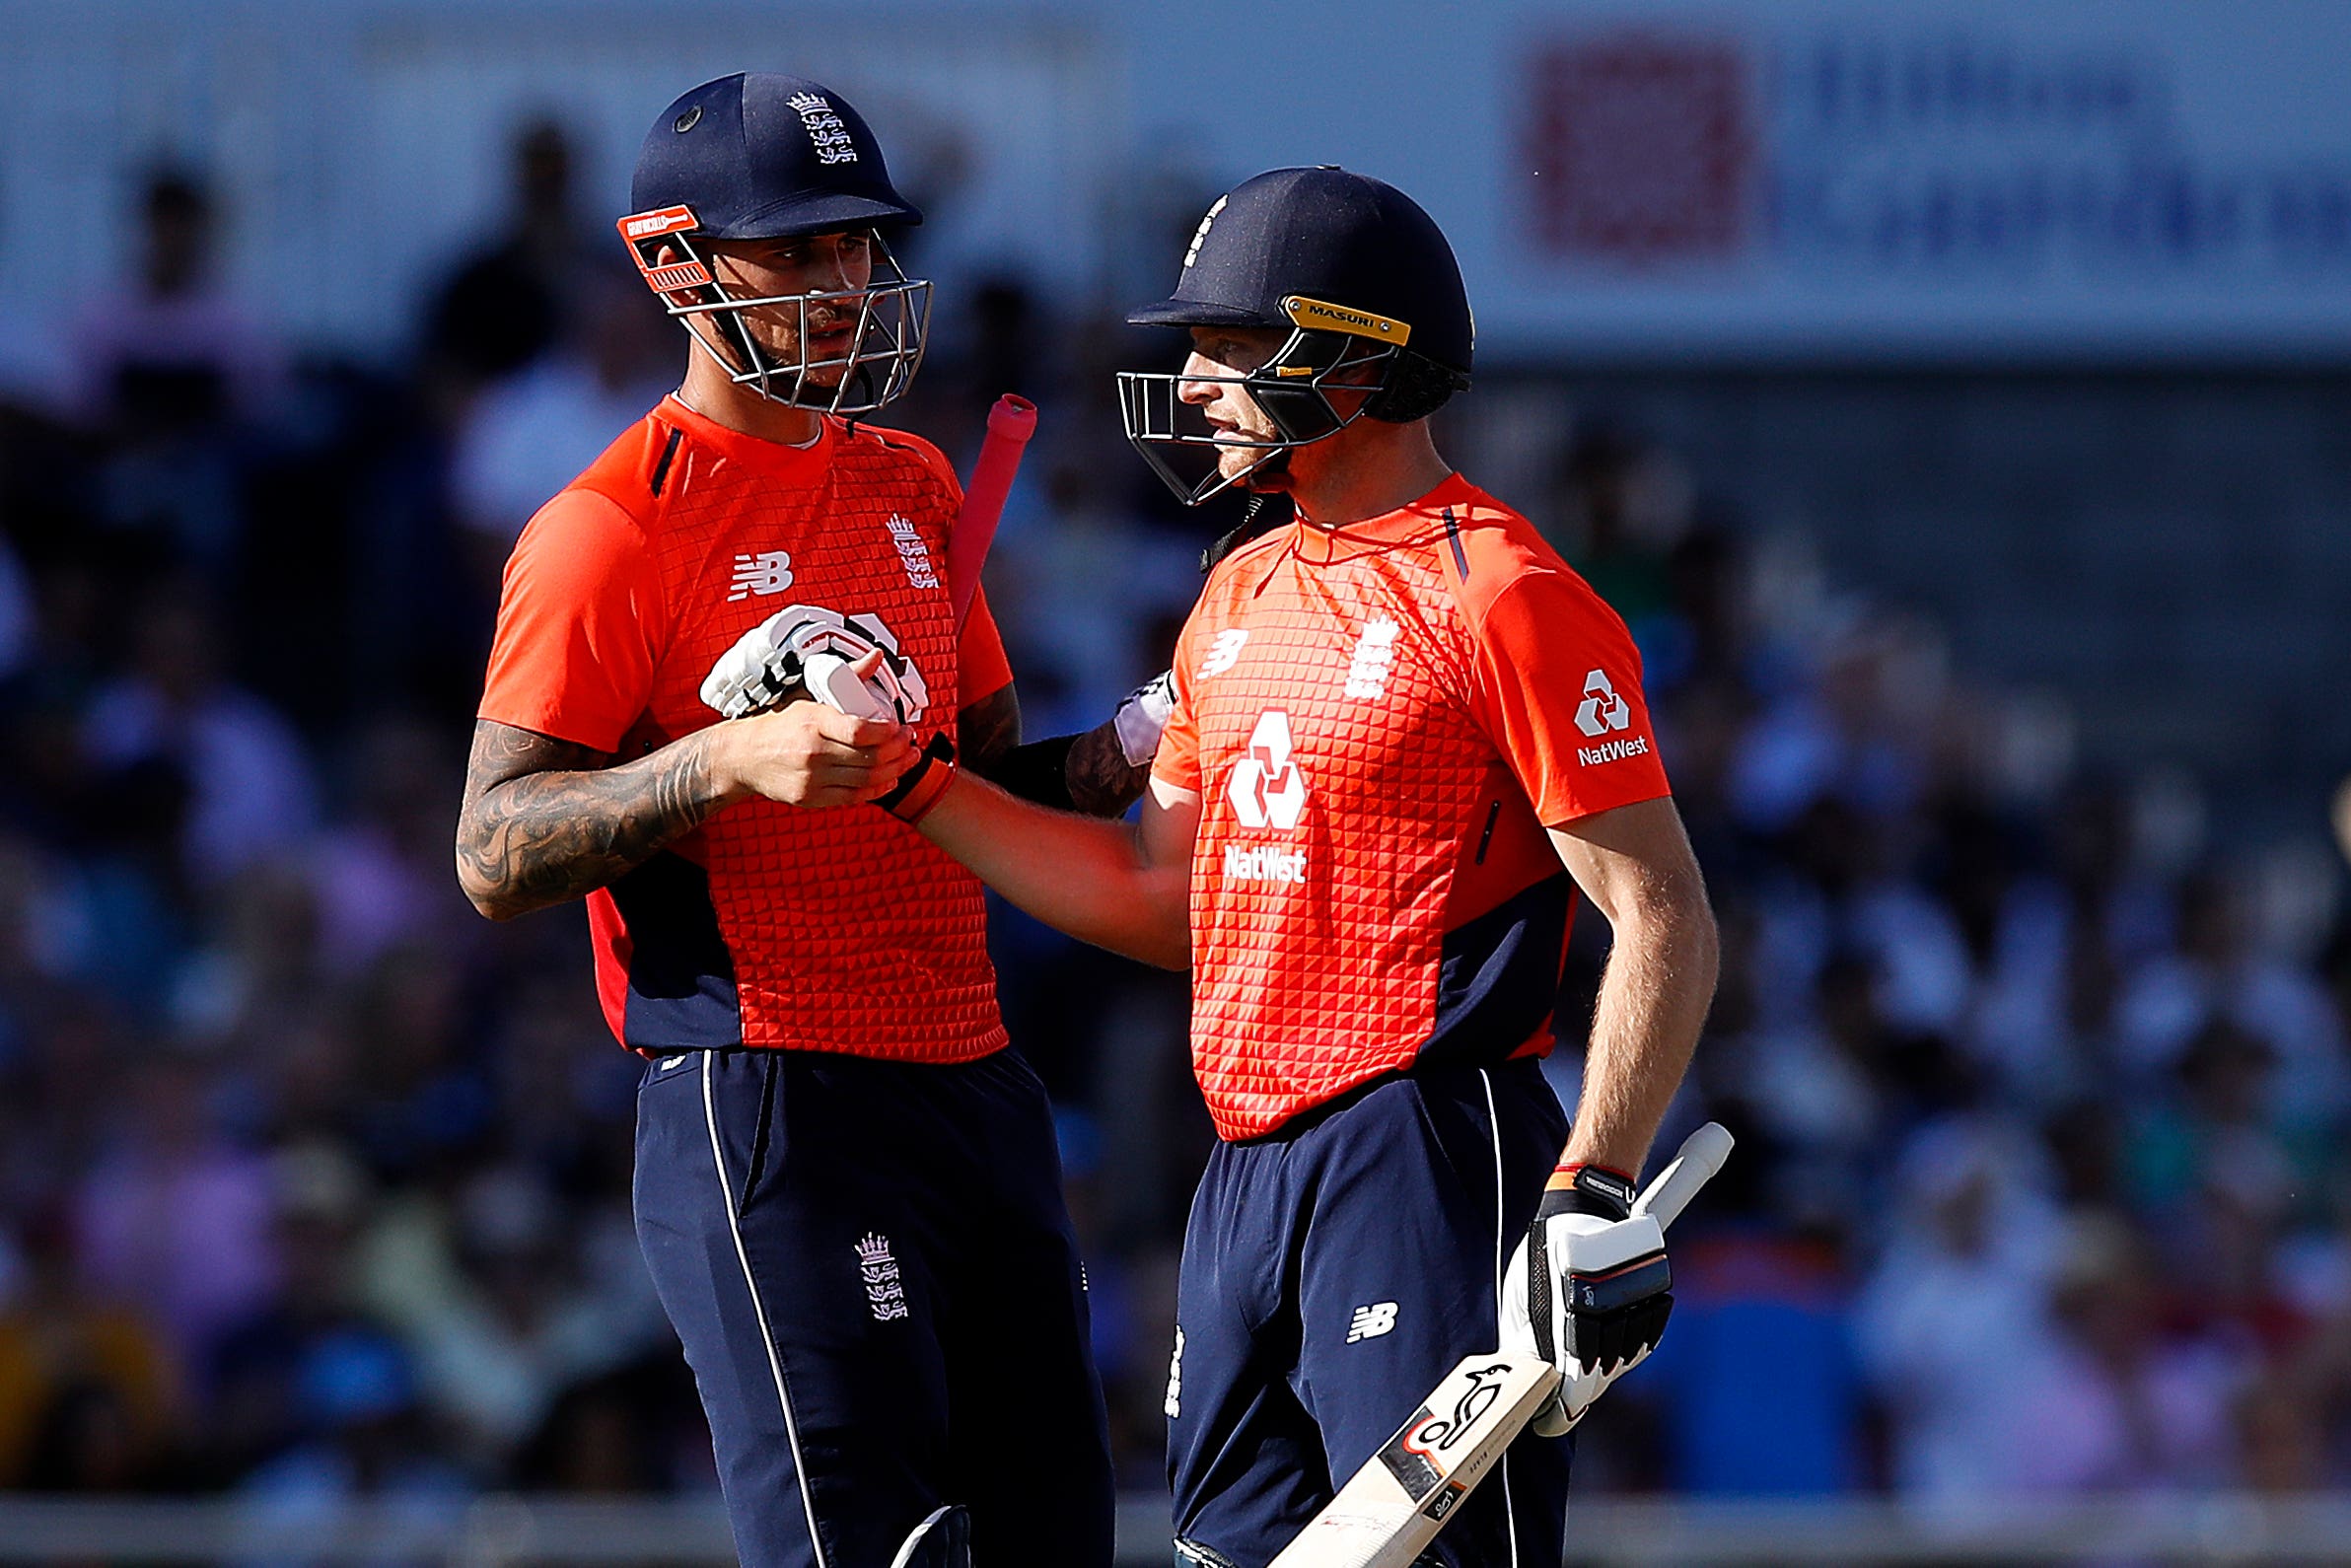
846	1187
1406	737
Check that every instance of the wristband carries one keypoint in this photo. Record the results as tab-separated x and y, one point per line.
1584	1189
920	787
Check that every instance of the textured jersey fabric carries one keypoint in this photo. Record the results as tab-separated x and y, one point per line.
1381	720
772	925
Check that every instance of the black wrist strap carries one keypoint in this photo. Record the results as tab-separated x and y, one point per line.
938	749
1599	1192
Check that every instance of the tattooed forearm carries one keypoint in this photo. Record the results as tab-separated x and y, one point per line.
546	820
1102	781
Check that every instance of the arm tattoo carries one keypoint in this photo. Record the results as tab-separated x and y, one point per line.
546	820
988	729
1102	781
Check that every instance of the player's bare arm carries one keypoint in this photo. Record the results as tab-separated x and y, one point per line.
1634	862
1089	773
546	820
1119	885
1605	1287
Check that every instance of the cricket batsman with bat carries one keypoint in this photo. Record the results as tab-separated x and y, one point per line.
846	1185
1405	738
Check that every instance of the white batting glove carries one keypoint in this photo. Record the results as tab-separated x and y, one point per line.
1141	717
1588	1290
806	650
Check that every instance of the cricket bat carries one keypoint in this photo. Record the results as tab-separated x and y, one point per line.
1011	422
1389	1510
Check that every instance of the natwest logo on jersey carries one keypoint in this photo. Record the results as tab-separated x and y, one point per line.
1604	708
1266	788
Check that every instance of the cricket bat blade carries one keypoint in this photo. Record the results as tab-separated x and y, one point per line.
1394	1507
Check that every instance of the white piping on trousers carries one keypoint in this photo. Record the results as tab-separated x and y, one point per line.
775	1363
1510	1510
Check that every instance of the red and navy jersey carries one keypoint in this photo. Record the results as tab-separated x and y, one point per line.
840	930
1380	721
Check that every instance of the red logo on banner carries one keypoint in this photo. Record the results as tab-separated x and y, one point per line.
1638	148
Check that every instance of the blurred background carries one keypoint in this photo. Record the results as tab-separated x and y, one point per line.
1954	399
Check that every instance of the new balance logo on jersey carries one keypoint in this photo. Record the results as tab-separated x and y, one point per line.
1601	709
1375	652
1267	789
1175	1376
1370	1323
1223	652
913	553
768	572
884	1293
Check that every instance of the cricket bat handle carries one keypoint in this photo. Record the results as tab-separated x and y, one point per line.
1011	422
1701	1155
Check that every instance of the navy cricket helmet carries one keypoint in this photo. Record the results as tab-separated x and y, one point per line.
758	156
1360	277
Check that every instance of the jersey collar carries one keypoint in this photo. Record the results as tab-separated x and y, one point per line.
768	457
1318	545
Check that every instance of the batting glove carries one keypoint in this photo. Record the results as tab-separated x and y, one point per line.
1142	716
806	650
1588	1288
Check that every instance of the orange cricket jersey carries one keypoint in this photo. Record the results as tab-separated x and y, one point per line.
771	925
1381	720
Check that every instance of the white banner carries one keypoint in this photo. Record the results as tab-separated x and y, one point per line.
1800	177
2133	180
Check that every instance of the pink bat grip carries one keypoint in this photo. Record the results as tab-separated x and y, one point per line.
1011	422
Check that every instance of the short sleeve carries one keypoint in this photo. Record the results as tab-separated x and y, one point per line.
1178	760
1558	691
580	618
981	668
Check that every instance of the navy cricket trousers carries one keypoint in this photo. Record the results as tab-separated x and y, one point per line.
872	1270
1333	1271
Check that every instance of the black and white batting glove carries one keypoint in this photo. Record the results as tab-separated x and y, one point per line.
1141	717
1588	1290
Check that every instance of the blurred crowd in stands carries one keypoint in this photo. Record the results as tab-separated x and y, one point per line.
314	1184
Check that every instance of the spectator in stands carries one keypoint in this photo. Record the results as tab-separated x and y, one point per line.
177	377
249	783
254	1380
2122	1406
527	435
368	1441
506	305
1954	1326
90	1397
172	1215
172	349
